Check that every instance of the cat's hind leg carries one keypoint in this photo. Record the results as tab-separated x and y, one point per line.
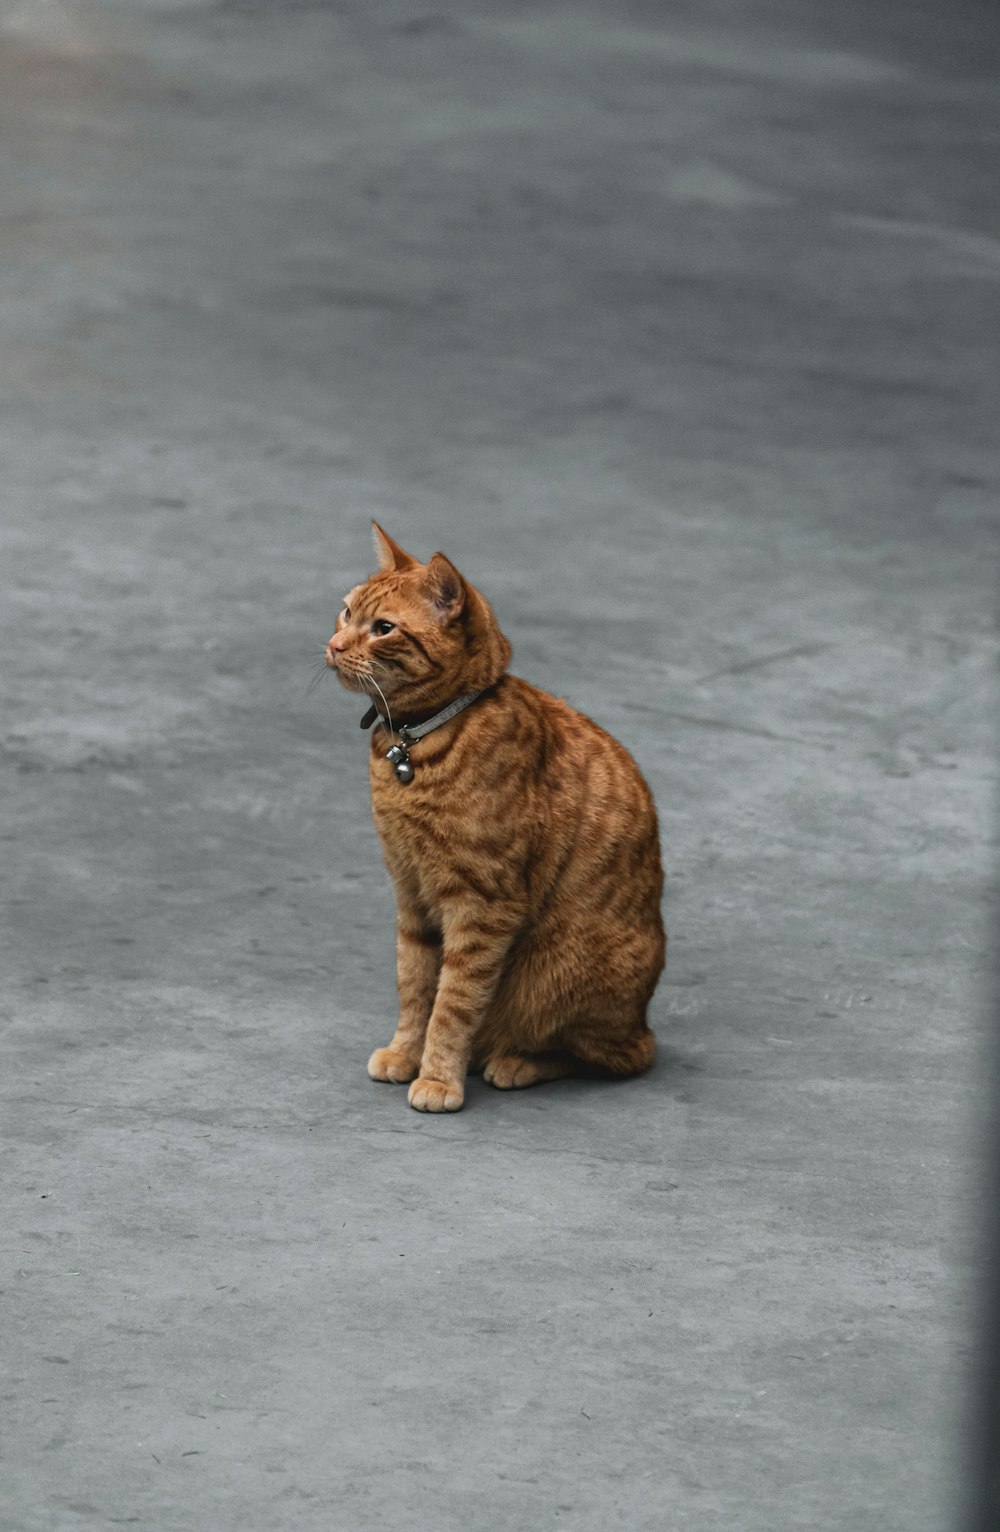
591	1055
513	1071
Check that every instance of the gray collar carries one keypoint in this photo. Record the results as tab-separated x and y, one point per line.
409	733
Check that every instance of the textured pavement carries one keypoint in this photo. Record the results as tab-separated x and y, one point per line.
675	326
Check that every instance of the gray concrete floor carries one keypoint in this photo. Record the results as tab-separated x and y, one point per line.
675	326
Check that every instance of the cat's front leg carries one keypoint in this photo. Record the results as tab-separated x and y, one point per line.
418	959
477	937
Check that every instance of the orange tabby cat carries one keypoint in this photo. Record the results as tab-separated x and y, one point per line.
522	842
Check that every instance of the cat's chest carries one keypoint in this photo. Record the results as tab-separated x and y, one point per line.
415	852
407	814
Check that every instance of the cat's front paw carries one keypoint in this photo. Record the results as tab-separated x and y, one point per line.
435	1095
392	1064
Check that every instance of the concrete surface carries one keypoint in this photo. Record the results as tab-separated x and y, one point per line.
675	326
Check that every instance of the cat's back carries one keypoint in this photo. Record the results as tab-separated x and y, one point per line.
583	793
594	870
570	749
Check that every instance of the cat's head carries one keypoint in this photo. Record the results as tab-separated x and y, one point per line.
420	632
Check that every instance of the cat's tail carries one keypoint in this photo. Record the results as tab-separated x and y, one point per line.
608	1055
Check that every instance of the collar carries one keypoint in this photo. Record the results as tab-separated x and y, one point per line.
409	733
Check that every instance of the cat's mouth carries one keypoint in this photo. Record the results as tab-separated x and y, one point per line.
349	678
354	680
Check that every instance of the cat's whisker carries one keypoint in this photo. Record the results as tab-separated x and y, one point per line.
319	669
364	681
385	704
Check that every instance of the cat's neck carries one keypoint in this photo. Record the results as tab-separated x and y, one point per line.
403	717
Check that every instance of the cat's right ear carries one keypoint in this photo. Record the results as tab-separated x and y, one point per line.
447	588
389	554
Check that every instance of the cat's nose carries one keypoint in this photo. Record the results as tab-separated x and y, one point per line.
332	650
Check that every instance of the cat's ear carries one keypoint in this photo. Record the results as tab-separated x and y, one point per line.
389	554
446	587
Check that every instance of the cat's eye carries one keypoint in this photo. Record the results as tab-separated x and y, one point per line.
346	614
381	628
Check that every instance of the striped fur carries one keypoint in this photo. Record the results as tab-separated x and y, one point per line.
525	852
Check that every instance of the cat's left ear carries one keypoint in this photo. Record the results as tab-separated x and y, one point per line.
447	588
390	555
